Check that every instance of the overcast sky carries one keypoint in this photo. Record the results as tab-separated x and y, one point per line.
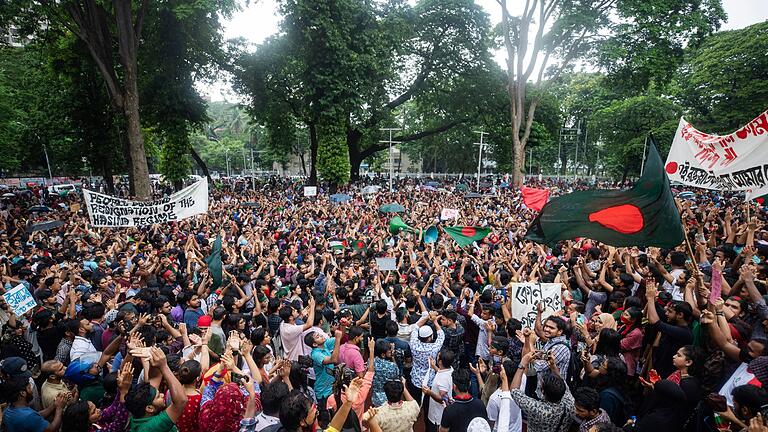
260	20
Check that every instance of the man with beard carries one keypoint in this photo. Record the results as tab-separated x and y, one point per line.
20	417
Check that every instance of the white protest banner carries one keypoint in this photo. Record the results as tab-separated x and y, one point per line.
734	162
310	191
525	297
108	211
448	214
19	300
386	264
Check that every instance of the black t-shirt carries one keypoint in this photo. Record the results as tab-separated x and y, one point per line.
672	338
48	340
379	325
458	415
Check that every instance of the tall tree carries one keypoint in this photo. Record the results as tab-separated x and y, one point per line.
112	32
344	58
724	82
549	35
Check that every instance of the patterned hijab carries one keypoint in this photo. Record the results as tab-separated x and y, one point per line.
224	412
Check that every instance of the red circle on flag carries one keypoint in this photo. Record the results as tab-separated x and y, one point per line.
468	232
360	245
671	167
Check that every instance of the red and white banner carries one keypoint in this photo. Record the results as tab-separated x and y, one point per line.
734	162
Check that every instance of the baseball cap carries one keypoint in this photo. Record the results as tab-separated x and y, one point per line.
425	331
15	367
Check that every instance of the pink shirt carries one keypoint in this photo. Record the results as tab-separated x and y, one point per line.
358	407
350	354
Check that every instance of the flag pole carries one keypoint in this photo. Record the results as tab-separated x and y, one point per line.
688	243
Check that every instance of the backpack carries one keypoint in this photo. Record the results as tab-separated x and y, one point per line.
575	367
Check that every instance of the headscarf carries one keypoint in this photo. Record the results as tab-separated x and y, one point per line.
608	321
224	412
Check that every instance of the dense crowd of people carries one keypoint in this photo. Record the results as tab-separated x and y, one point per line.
131	331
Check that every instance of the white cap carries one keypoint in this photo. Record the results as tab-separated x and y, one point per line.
425	331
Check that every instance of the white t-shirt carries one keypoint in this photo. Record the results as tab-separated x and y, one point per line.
672	288
443	381
290	335
515	417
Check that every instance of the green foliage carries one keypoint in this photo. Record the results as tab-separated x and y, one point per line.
650	37
180	41
724	82
50	96
332	155
624	125
174	161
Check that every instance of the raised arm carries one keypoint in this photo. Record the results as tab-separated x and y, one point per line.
178	396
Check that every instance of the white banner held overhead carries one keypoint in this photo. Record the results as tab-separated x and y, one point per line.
733	162
525	297
386	264
108	211
310	191
449	213
19	300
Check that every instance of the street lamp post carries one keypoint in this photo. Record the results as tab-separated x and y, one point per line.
226	154
481	145
48	162
391	161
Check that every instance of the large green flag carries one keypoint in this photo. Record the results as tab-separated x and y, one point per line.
466	235
645	215
214	262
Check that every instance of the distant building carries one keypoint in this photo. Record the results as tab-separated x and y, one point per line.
9	36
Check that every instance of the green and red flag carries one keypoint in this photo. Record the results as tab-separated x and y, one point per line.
645	215
466	235
357	245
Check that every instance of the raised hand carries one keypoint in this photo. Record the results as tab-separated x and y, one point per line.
125	377
352	391
157	358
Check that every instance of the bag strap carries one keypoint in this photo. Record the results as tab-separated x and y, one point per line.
560	422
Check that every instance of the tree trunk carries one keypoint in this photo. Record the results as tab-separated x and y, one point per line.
355	157
312	154
303	163
563	164
139	173
201	164
106	170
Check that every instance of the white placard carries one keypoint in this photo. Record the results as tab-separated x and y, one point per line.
310	191
108	211
448	214
386	263
525	297
733	162
19	300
